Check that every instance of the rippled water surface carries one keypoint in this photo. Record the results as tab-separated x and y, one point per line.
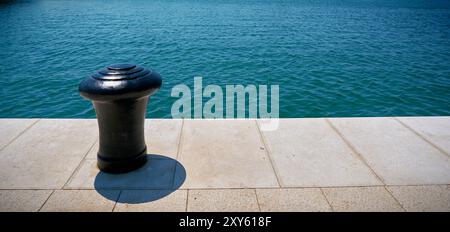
330	58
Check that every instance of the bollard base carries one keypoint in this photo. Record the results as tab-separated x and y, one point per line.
122	166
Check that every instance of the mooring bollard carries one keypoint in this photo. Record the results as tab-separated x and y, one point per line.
120	94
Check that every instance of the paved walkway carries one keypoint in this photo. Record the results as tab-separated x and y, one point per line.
335	164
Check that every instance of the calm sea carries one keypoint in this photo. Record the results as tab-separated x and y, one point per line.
330	58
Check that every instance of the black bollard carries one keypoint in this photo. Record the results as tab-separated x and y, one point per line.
120	95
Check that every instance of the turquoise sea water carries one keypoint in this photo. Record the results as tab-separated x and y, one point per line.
330	58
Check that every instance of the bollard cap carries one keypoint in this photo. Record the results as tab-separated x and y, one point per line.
120	81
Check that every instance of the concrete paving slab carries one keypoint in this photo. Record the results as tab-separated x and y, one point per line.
222	162
224	154
22	200
309	153
423	198
10	128
292	200
80	201
162	136
46	155
92	154
434	129
223	200
151	201
157	173
394	152
364	199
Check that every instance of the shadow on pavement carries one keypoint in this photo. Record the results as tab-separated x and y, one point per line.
158	178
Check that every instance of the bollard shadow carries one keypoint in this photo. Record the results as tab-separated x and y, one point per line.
158	178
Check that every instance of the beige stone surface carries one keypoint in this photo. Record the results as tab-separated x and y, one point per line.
223	200
363	199
161	137
10	128
157	173
396	154
80	201
151	201
227	166
46	155
92	154
22	200
292	199
423	198
434	129
224	154
308	153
